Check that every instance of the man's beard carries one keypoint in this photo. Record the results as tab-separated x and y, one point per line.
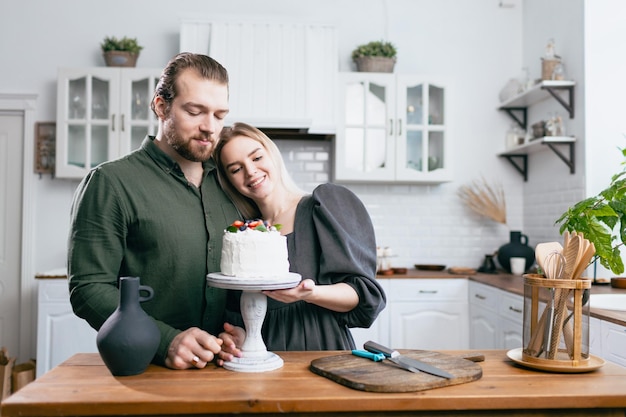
184	147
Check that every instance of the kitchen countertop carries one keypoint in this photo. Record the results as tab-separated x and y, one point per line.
515	284
502	280
82	385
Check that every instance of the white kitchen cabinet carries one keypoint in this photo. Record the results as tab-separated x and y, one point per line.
428	314
484	320
496	318
614	342
102	113
393	128
60	333
283	74
595	337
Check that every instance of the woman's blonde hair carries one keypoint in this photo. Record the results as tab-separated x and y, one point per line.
246	206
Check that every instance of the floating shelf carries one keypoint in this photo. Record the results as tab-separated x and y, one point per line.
518	156
516	107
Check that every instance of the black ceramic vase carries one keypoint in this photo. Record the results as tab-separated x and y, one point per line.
517	247
129	338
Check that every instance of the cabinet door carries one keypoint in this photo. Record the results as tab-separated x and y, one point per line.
137	120
484	328
595	337
87	102
421	132
511	311
614	342
429	326
365	141
60	333
510	334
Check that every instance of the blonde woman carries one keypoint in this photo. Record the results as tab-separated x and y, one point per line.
330	240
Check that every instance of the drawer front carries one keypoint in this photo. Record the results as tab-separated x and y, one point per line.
428	289
511	306
484	296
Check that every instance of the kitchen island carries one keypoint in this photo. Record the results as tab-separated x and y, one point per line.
83	386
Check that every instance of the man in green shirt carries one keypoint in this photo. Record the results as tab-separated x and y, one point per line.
159	214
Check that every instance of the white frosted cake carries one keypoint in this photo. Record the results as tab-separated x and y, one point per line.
253	249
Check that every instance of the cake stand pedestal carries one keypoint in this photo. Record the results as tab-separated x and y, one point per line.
255	356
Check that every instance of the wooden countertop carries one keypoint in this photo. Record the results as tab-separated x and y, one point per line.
83	386
515	284
502	280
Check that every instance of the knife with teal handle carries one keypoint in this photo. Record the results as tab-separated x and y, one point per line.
376	357
405	362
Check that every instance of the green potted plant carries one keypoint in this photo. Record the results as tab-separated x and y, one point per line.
120	52
602	219
375	56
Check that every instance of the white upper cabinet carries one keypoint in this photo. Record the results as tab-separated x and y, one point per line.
102	113
282	74
392	128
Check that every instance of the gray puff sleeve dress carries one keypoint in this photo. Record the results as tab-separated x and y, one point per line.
333	241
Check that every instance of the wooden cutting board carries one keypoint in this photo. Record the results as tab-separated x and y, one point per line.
366	375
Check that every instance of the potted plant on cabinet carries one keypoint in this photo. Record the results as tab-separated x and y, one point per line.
120	52
375	56
602	220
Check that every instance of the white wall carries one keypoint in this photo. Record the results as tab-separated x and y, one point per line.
605	90
551	189
478	43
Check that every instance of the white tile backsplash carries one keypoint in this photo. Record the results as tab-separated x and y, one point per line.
422	224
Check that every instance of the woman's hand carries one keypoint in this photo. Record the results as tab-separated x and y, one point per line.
232	338
339	297
302	291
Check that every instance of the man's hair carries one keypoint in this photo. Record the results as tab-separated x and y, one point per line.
204	65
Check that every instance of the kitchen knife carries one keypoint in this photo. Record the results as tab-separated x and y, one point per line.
404	361
379	356
376	357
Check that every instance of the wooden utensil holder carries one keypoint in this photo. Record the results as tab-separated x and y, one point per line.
557	335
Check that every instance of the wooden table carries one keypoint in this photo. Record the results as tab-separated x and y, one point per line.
83	386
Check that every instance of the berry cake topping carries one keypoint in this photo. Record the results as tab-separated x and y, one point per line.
257	224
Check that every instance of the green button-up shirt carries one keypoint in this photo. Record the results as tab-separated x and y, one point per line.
139	216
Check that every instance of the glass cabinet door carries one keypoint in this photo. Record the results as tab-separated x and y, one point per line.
83	120
367	130
392	128
421	148
138	120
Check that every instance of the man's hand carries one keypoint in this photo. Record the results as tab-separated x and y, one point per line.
232	337
193	348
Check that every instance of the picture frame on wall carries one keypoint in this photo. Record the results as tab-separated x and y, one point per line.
45	142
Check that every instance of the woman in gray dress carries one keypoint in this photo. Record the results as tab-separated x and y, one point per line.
330	240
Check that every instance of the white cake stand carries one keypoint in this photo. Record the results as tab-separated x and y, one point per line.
255	357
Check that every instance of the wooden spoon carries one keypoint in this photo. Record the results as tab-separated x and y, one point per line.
584	260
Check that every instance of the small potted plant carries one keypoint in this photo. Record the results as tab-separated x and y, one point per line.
602	220
120	52
375	56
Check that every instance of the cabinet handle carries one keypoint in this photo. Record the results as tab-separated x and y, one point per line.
480	297
390	127
113	123
399	127
122	122
515	310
